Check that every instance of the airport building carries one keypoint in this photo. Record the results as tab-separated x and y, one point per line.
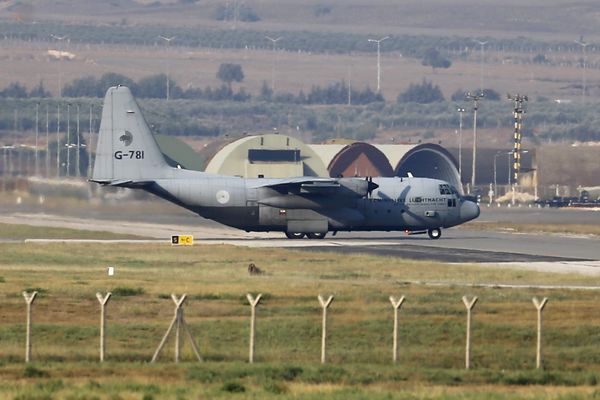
281	156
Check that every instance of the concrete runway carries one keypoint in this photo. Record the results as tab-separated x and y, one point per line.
559	253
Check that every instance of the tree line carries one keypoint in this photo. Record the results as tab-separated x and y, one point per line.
418	46
545	120
155	87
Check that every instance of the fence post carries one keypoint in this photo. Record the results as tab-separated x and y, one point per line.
469	305
325	305
29	298
540	307
397	304
103	300
179	323
253	303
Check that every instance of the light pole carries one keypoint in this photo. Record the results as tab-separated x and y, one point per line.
60	56
58	141
37	129
274	41
68	173
24	168
461	111
69	146
168	40
6	165
378	41
47	159
495	176
475	99
482	44
77	173
90	146
583	77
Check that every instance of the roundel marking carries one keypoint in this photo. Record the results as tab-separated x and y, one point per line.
223	196
126	138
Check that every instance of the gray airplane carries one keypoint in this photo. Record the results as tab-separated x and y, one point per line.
128	156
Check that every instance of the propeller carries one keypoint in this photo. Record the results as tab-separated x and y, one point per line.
370	186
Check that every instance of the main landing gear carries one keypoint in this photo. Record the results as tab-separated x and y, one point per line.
434	233
300	235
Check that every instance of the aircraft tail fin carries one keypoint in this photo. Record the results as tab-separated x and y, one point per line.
126	149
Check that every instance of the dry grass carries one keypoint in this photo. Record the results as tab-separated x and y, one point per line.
214	277
27	63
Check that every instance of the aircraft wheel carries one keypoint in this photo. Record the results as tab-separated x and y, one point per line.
294	235
434	233
316	235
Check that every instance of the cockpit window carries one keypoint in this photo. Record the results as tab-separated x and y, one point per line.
445	189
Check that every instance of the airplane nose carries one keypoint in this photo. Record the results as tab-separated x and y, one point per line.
469	210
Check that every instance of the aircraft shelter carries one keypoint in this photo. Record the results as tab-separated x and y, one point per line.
281	156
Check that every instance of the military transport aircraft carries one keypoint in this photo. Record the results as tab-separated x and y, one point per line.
128	156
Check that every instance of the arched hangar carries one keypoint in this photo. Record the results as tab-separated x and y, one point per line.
266	156
280	156
426	160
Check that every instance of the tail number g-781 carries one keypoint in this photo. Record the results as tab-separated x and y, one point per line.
131	155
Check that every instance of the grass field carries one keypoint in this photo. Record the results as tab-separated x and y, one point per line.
576	229
66	315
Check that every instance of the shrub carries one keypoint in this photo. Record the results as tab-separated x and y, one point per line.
233	387
125	291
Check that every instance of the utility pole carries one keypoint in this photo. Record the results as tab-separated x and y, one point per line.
378	41
475	99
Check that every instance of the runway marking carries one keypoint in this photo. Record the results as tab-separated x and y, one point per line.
500	285
591	268
99	241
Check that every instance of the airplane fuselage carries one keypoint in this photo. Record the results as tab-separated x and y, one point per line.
397	204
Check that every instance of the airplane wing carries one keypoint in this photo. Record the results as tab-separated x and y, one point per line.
308	186
304	185
122	183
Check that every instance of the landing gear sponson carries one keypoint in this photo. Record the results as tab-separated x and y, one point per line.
434	234
300	235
